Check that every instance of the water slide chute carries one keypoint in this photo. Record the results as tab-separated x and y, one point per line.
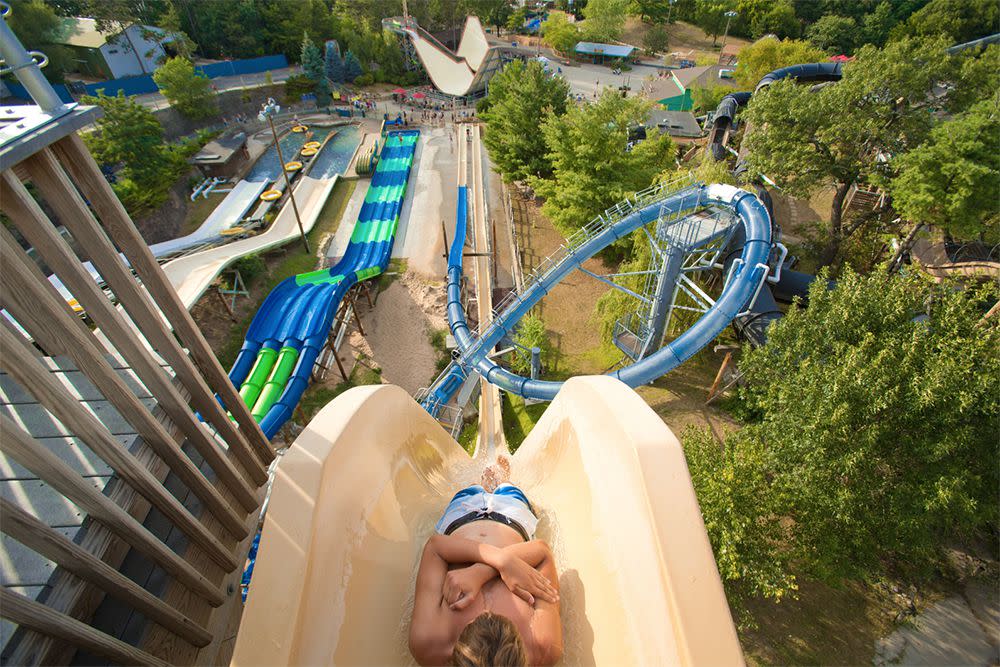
357	495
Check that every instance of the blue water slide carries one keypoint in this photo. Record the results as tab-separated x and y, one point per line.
743	282
290	329
731	104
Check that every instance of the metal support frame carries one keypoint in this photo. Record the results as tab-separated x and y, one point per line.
681	243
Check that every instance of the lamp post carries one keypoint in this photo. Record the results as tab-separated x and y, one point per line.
670	7
729	17
267	111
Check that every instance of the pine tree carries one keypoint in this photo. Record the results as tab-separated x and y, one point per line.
352	67
312	63
334	63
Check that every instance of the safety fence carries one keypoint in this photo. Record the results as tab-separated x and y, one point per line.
143	85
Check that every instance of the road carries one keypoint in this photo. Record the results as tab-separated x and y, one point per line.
223	84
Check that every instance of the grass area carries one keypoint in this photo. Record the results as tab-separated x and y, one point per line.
843	624
198	212
288	261
318	395
439	341
396	268
467	436
519	419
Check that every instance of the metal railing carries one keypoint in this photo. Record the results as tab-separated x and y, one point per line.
597	226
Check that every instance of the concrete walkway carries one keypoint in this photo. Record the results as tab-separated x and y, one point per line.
950	632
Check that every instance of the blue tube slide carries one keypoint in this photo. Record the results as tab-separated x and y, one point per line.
730	104
743	283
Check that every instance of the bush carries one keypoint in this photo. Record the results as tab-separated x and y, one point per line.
364	80
250	267
296	86
531	332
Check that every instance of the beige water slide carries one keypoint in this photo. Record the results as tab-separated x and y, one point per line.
358	494
461	73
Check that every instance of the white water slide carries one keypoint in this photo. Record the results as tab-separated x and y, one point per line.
458	74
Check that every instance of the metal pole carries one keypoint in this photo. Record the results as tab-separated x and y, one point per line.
19	61
729	17
288	184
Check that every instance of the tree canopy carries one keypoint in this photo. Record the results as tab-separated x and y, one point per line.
605	19
872	435
186	90
957	20
807	139
953	178
128	134
591	163
834	34
767	55
333	63
521	97
315	68
559	33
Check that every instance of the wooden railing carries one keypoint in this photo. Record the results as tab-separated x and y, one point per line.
221	460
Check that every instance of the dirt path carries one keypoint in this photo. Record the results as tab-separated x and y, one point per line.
397	331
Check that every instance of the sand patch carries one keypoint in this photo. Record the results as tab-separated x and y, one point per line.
397	331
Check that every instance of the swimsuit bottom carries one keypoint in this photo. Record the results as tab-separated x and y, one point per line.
507	505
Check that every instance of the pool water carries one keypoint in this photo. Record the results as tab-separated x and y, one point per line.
333	159
337	152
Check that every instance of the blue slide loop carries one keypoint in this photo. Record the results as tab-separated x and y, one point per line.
735	296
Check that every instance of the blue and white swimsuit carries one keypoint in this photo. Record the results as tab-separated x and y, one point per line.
507	505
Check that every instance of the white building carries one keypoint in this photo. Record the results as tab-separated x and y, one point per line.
137	50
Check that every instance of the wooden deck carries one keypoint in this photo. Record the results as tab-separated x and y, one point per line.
21	569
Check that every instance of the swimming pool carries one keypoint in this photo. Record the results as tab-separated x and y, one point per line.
333	159
337	152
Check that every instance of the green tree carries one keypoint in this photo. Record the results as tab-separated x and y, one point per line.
592	165
951	180
315	69
873	437
707	98
878	25
559	33
521	97
605	19
778	19
515	22
37	26
710	16
834	34
333	63
807	140
128	134
187	91
769	54
173	33
531	332
650	11
656	40
352	67
958	20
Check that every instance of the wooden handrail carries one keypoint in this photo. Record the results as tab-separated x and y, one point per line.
35	535
40	618
24	294
92	184
32	375
55	251
28	452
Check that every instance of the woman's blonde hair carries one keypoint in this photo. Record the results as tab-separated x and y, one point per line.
490	640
